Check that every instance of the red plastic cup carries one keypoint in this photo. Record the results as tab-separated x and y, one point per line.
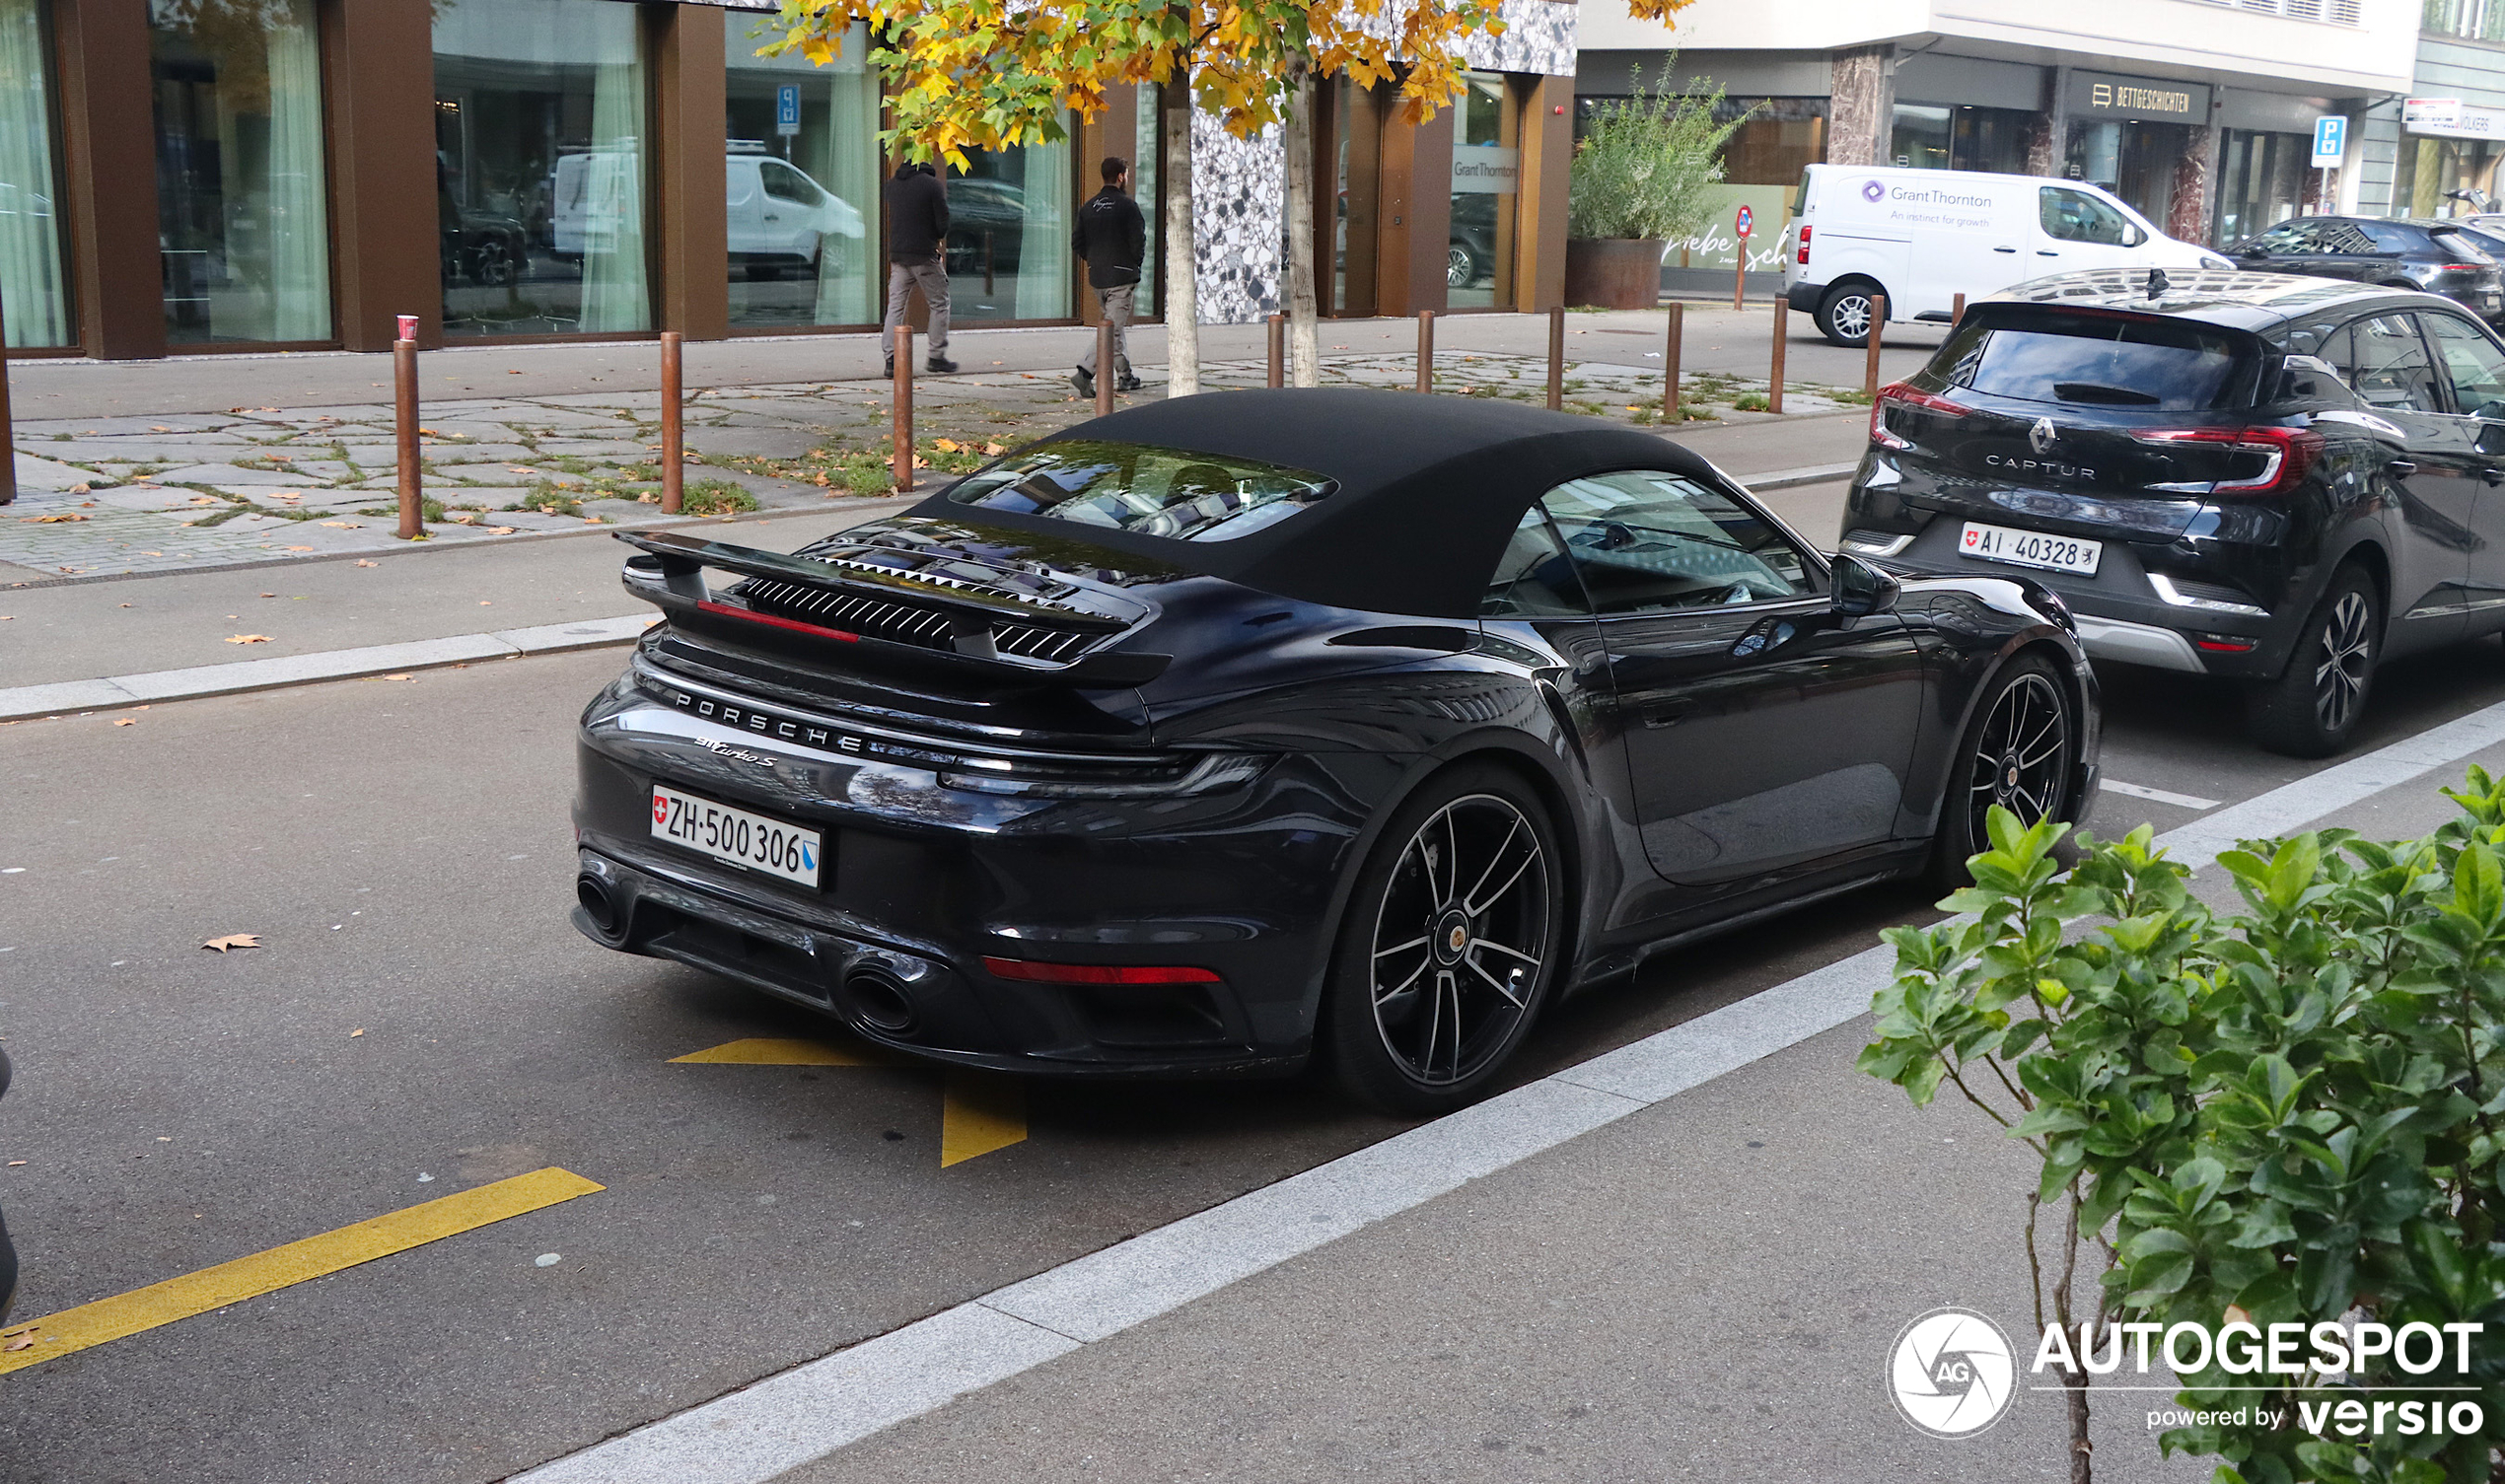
408	326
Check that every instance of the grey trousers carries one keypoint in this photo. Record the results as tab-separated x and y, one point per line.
1117	310
932	278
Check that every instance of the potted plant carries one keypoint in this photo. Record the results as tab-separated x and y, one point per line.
1641	178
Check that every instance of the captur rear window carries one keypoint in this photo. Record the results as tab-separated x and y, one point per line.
1149	491
2106	361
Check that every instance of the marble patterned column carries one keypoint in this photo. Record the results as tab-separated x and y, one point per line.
1861	106
2188	207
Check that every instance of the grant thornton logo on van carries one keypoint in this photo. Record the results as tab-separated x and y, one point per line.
1874	190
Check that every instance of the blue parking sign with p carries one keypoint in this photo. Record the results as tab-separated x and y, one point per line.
787	109
2331	140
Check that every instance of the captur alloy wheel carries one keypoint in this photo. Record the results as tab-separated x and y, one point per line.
1460	940
2022	754
2344	657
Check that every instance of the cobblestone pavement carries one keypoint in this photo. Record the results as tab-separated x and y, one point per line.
108	496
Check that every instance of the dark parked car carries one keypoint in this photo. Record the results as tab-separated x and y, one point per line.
2433	254
1471	256
2274	481
1224	732
987	225
482	247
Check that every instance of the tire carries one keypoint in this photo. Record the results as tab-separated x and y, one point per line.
1427	1000
1843	316
2009	757
491	264
2312	709
1461	267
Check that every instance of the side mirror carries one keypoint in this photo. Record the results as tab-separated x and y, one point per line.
2491	438
1861	588
2133	235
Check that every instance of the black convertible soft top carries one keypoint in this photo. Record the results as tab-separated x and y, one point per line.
1430	488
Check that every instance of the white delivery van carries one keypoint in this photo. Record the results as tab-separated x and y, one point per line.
1923	236
777	217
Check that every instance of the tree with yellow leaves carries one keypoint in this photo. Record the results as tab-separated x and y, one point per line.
995	73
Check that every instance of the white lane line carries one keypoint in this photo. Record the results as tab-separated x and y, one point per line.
2161	795
805	1413
22	702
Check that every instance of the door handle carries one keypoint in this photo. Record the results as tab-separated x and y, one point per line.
1656	721
2493	475
2403	468
2004	250
2046	252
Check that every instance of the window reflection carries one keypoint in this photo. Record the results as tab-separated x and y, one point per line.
1486	166
800	181
32	289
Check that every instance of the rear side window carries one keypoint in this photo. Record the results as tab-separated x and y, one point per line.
2083	360
2385	238
2388	365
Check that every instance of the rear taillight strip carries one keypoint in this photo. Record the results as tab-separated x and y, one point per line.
2286	453
1904	394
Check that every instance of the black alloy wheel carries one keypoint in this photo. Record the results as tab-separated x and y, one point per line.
1843	316
2021	754
1450	945
492	265
2312	709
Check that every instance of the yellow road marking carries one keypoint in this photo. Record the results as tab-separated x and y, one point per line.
91	1324
979	1112
778	1051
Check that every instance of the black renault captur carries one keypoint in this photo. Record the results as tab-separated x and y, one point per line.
2276	480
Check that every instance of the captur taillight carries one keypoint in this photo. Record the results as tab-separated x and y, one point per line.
2286	453
1904	394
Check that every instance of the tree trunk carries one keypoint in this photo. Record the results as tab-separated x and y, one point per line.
1304	340
1183	263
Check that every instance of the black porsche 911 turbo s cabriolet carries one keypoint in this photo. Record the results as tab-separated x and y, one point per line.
1231	731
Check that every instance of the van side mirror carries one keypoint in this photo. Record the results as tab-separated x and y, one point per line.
1861	589
2133	235
2491	437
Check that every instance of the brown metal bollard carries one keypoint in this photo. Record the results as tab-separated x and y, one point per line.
902	434
1956	312
1278	351
1105	372
1557	359
1670	366
1878	329
1426	350
404	417
673	426
1775	368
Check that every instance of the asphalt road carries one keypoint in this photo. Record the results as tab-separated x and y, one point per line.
402	851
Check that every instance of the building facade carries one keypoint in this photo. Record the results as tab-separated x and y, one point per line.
189	176
2435	152
2198	113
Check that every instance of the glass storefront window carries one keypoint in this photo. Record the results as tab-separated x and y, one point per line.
1776	138
540	120
801	182
34	295
2261	181
1008	248
1943	136
242	203
2430	168
2134	161
1486	168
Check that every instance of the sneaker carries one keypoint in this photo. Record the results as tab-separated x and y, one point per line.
889	373
939	365
1084	381
1129	383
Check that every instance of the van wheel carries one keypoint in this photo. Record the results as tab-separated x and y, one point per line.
2312	709
1843	316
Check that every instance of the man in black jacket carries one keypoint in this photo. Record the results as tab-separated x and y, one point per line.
918	234
1113	236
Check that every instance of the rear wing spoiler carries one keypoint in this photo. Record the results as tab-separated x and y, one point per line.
671	577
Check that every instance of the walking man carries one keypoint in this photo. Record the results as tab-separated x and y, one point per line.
1113	236
918	233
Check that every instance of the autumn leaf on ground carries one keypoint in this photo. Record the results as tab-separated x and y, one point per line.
78	490
362	562
353	1034
125	722
248	638
994	450
57	520
346	525
233	941
24	1339
945	445
295	548
500	530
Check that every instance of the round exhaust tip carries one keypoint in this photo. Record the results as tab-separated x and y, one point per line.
597	904
880	1000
